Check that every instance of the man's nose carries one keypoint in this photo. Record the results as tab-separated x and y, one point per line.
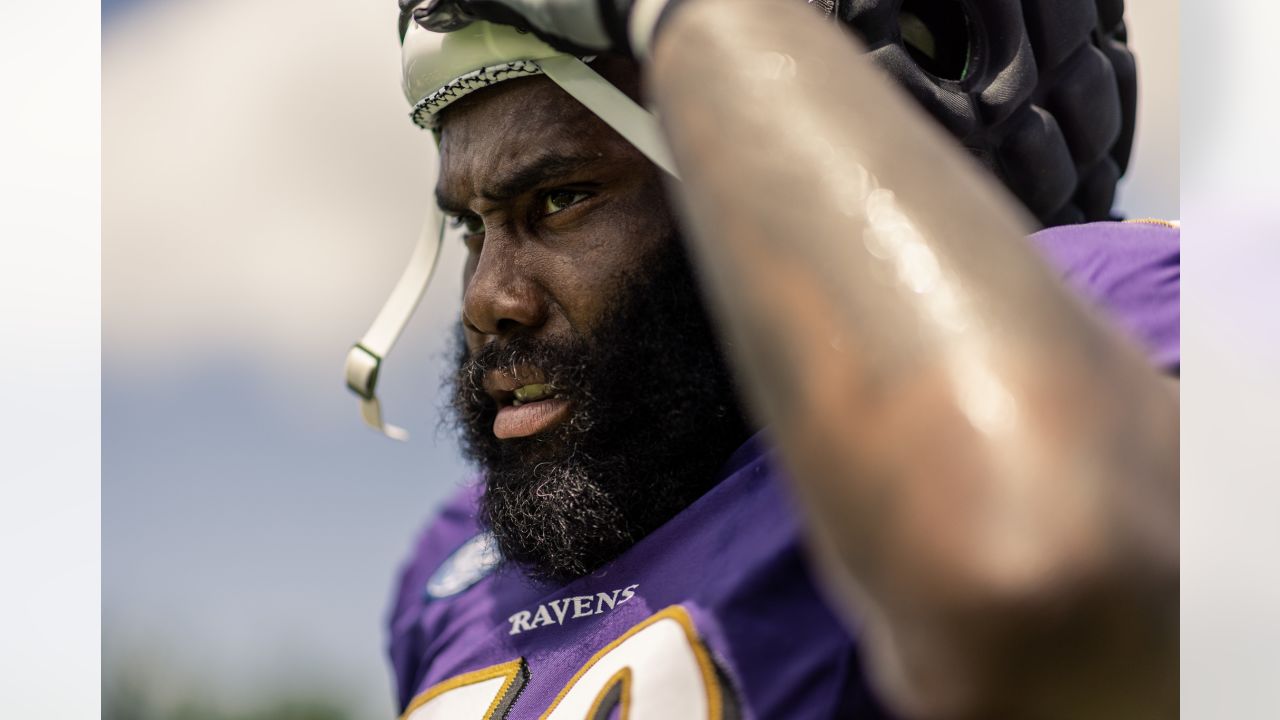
501	296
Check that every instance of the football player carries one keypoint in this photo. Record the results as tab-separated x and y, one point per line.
828	436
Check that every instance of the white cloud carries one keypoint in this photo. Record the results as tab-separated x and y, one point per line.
263	184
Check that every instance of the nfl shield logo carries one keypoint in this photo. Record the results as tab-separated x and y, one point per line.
464	568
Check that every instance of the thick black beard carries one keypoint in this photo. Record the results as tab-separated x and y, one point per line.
655	416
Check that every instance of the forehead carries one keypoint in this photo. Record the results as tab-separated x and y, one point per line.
519	120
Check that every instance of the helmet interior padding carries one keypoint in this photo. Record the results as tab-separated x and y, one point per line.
1045	97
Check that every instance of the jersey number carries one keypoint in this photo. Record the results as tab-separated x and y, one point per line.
657	670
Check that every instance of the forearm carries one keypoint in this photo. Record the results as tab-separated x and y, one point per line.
962	432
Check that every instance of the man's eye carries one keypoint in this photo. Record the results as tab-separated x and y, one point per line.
558	200
471	223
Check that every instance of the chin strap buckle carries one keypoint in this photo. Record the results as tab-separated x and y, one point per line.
365	358
362	371
362	379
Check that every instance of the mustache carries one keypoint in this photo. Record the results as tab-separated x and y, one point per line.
563	364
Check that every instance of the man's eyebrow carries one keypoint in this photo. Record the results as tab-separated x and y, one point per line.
520	179
529	175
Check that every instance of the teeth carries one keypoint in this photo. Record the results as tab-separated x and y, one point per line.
531	393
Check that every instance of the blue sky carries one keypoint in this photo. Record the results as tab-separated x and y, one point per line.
111	7
239	536
252	527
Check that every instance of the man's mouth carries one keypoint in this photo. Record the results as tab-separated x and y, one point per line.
529	410
527	403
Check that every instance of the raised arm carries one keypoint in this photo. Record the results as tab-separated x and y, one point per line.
989	472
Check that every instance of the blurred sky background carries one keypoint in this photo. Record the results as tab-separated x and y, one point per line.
262	187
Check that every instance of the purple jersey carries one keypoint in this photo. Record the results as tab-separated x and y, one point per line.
714	614
1131	271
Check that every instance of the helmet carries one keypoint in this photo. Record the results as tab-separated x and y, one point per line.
1043	92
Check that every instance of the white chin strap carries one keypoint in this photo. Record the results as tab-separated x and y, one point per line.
631	121
365	358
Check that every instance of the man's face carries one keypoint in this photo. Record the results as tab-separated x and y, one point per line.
590	388
557	209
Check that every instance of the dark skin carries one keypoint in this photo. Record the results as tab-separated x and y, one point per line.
987	471
556	207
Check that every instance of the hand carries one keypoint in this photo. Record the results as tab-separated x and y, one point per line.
576	26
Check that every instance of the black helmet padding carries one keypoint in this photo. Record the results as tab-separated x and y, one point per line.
1044	92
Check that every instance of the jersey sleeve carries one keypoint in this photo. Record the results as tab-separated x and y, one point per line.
1131	271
